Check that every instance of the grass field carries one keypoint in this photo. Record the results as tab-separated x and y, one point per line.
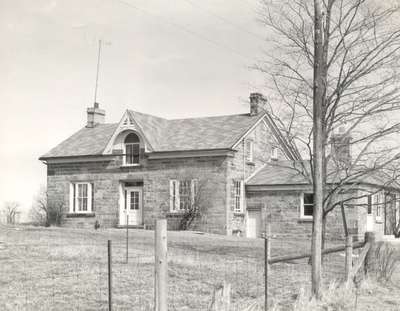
66	269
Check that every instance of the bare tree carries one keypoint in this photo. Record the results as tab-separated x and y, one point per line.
11	211
333	64
42	213
39	213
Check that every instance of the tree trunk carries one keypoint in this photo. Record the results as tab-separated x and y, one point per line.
318	151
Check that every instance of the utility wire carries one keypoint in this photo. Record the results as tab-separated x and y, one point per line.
225	20
185	29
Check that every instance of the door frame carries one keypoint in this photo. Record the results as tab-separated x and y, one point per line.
259	212
124	208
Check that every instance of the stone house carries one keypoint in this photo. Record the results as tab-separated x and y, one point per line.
145	167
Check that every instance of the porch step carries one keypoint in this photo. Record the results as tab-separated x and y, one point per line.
130	226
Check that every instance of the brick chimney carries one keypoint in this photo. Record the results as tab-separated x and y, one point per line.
95	115
256	103
340	147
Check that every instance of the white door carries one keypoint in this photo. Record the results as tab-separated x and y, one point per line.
253	224
132	211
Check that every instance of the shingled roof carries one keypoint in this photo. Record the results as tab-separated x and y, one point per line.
207	133
280	173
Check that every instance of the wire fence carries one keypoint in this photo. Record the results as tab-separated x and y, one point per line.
74	275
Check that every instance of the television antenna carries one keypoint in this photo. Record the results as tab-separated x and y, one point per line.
97	73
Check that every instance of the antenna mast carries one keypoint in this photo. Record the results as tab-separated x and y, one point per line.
97	73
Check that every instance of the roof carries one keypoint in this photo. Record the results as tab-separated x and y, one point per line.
195	133
87	141
207	133
280	173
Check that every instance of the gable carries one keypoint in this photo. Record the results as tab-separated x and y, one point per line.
186	134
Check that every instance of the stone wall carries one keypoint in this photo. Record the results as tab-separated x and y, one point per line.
155	175
240	169
283	211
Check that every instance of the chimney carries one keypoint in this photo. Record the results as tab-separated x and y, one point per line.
340	147
95	115
256	102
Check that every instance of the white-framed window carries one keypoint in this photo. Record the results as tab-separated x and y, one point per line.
379	201
249	146
237	196
182	194
306	205
131	149
81	197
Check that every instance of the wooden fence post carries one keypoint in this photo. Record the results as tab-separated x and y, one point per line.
267	255
370	259
161	266
109	275
349	258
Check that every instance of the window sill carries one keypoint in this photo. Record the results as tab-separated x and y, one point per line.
305	220
242	214
175	214
379	220
76	215
130	165
250	163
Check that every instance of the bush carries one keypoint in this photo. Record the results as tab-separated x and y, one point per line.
55	215
388	259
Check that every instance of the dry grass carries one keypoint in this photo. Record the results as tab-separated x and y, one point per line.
369	296
66	269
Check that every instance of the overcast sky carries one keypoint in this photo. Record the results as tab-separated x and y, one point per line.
175	58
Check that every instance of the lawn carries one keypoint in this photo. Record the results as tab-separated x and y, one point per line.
66	269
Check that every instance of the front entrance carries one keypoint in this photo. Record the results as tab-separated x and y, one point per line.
131	213
253	224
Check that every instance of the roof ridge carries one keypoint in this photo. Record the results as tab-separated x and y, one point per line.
192	118
146	114
211	117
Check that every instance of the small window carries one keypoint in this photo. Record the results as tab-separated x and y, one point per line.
249	150
81	197
379	201
237	196
307	205
132	149
369	206
274	153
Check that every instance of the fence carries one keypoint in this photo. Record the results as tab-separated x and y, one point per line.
74	275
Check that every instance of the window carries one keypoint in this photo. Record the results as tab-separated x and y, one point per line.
81	197
249	150
237	196
185	194
379	201
274	153
134	197
307	206
369	206
397	206
182	194
132	149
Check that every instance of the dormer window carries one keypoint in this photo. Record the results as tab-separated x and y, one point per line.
132	149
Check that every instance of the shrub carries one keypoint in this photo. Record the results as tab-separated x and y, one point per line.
388	259
55	214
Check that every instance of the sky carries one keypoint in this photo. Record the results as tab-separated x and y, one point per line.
174	59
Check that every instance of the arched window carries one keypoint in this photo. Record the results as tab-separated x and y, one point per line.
132	149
